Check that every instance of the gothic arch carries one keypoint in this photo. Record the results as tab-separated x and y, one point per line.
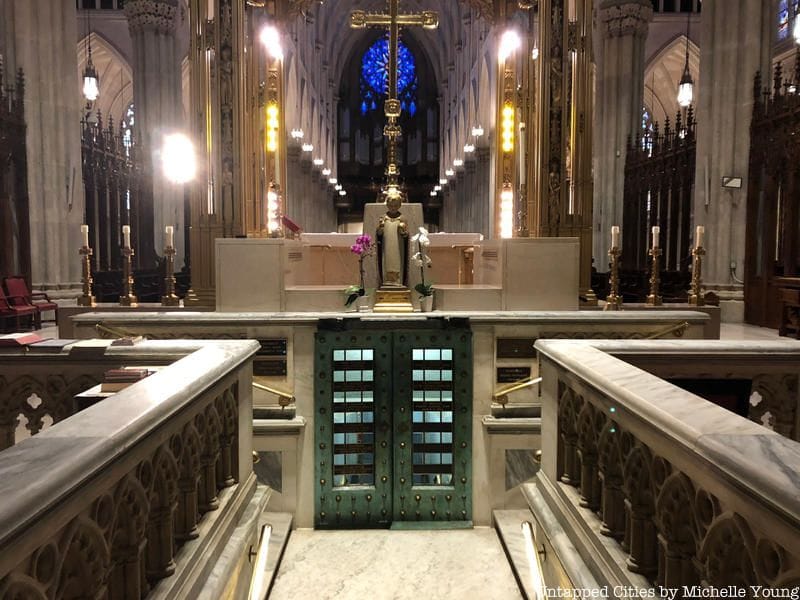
116	75
663	74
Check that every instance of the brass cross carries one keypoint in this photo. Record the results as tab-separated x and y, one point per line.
393	20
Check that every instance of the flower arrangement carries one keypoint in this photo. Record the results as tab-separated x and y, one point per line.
422	260
363	247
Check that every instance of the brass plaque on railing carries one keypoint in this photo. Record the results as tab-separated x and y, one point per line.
270	360
273	347
516	348
269	367
512	374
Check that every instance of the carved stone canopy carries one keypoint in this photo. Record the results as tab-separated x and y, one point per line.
153	15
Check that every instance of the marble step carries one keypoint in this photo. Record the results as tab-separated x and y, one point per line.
274	412
514	410
509	526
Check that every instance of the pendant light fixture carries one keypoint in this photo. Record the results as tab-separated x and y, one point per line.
91	82
686	86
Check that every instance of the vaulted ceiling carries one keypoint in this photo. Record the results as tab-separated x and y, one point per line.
335	39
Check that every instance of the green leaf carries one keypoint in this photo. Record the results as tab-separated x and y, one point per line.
350	299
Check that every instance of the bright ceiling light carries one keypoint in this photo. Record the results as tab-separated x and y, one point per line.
271	40
509	42
318	162
308	147
178	159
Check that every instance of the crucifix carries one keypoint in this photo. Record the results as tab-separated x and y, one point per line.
393	20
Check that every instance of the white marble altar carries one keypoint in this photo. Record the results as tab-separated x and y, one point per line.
469	273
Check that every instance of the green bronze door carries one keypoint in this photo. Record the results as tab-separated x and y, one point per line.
393	426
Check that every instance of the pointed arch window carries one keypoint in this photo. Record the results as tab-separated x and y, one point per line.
374	80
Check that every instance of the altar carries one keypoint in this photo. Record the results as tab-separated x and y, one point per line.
469	273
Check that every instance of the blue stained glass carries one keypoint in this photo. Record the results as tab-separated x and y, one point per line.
375	77
787	12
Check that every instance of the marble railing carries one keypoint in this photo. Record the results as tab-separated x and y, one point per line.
771	373
657	486
136	494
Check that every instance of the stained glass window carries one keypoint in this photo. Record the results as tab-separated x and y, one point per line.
647	131
787	11
375	77
127	128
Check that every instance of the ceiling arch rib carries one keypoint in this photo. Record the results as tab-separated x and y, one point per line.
115	74
663	74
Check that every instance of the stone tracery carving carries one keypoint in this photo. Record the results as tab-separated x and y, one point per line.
674	531
780	398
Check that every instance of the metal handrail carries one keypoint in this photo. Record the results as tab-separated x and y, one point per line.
501	394
677	329
119	333
284	398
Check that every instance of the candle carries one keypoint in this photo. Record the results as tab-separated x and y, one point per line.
85	232
169	232
126	236
522	171
656	232
698	237
615	236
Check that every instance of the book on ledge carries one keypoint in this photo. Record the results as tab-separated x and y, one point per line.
18	340
127	341
90	348
115	380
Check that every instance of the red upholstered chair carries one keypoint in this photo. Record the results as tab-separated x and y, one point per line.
20	296
10	311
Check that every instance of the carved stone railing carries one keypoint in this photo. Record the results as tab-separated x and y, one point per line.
135	494
656	486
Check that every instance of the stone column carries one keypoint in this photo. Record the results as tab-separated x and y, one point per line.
39	36
623	26
736	41
159	107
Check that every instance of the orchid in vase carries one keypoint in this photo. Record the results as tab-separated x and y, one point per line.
423	261
363	248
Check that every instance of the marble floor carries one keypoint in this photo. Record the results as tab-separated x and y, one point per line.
743	332
382	564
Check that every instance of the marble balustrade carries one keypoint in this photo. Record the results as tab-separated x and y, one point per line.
656	486
136	495
500	444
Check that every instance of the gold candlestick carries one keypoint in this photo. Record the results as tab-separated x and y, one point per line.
87	299
695	298
169	298
127	298
614	300
653	299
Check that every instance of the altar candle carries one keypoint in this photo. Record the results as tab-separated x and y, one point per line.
522	171
656	233
615	236
126	236
85	232
169	232
698	237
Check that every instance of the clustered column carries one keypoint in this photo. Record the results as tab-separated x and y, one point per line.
623	28
158	104
736	41
39	36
